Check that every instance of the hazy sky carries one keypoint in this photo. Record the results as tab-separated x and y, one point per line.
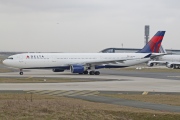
85	25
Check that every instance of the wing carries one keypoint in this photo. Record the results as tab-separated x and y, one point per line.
99	62
109	61
114	61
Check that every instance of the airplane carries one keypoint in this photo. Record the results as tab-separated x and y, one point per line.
170	61
84	63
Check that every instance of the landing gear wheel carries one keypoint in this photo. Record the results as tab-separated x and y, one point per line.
174	66
21	73
91	72
85	72
96	72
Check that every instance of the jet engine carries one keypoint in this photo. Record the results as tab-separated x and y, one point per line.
150	64
169	65
77	69
57	70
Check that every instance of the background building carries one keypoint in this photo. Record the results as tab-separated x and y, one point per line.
133	50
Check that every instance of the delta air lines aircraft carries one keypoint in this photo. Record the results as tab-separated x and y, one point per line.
170	61
84	63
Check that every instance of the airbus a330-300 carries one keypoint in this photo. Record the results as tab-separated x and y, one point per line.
84	63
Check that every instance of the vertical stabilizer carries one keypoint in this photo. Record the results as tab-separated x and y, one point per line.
154	44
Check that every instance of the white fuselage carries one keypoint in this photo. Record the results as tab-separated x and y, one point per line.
171	61
50	60
170	58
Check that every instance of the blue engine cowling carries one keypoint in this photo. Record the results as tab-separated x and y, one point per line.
57	70
77	69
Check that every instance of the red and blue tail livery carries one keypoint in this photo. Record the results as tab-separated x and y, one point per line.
154	44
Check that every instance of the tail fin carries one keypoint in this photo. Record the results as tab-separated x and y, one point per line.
154	44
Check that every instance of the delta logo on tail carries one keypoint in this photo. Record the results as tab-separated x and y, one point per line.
154	44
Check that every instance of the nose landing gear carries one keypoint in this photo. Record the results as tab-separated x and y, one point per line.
21	72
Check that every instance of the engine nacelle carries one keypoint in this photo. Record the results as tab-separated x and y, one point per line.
77	69
150	64
57	70
169	65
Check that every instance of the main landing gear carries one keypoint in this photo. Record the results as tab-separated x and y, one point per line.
21	72
85	72
91	73
94	73
176	67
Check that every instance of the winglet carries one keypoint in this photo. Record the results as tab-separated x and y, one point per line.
154	44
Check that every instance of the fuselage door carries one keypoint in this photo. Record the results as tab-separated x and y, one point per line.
21	59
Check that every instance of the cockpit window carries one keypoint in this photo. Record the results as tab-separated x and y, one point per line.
10	58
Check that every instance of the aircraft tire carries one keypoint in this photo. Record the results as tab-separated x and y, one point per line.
21	73
97	73
91	72
85	72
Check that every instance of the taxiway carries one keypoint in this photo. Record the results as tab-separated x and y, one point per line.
103	82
